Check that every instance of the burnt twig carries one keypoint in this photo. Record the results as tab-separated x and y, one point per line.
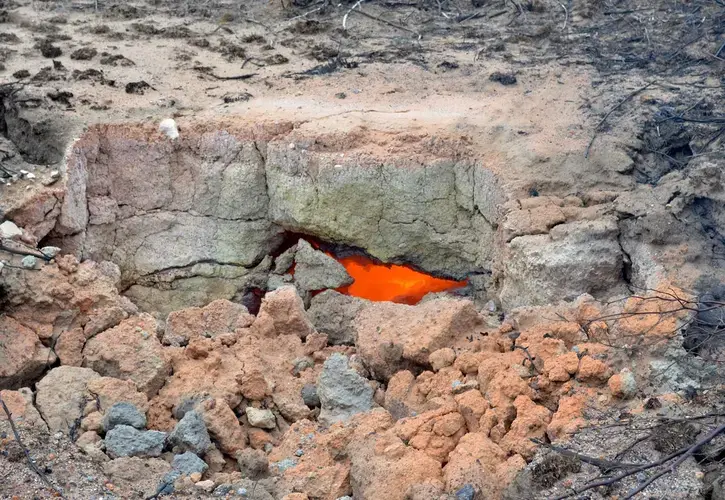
381	20
16	251
344	18
236	77
31	464
683	453
604	465
528	355
603	120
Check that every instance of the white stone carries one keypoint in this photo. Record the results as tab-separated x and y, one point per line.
29	262
50	251
8	229
168	127
260	418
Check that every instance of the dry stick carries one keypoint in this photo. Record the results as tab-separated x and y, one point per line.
3	248
602	464
717	54
608	481
566	16
26	452
528	355
237	77
344	18
677	462
599	125
370	16
289	21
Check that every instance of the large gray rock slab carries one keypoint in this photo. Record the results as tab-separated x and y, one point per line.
438	215
574	258
126	441
315	270
342	392
151	207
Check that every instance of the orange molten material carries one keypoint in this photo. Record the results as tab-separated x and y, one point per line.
391	282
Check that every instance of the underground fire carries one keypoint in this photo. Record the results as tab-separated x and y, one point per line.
391	282
382	282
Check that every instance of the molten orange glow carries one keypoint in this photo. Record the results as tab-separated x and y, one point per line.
390	282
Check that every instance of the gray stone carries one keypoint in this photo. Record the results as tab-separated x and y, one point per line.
468	492
187	404
29	262
316	270
718	488
190	434
276	281
185	464
573	259
222	490
703	335
309	395
50	251
260	418
123	413
126	441
342	392
212	208
333	313
188	463
284	262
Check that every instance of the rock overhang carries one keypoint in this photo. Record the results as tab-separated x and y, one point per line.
213	203
202	216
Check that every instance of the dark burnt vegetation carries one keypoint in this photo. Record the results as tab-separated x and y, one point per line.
627	454
640	451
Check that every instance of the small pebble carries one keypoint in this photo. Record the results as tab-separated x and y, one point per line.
29	262
50	251
299	452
